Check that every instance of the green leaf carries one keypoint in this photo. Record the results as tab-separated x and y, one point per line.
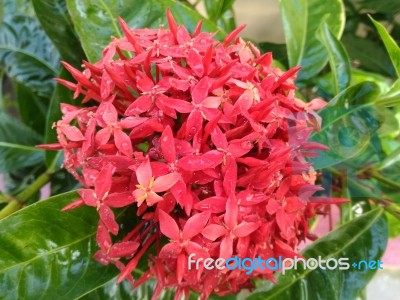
394	226
124	292
390	160
16	141
61	32
338	58
9	7
216	8
391	46
29	102
361	50
96	21
364	238
358	76
44	251
60	95
301	20
389	7
348	123
15	156
24	58
391	97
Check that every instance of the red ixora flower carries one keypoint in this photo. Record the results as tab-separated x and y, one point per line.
206	140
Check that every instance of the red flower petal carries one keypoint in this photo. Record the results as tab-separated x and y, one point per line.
231	213
144	173
195	225
213	231
123	249
123	143
103	237
168	226
168	145
245	228
104	181
88	197
200	91
107	216
72	133
164	183
119	199
226	247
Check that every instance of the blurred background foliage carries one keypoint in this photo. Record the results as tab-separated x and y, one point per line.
350	57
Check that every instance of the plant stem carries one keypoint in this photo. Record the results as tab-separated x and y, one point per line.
16	203
387	181
27	193
11	207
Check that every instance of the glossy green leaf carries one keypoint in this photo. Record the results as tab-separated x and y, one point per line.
16	145
23	58
216	8
294	17
124	292
62	32
96	21
46	252
301	20
348	122
391	97
391	46
363	238
338	59
359	76
391	159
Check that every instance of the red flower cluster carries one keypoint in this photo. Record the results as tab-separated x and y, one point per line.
209	142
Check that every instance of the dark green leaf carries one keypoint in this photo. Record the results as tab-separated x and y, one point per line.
24	59
16	145
388	7
301	20
348	122
361	50
391	46
338	59
364	238
29	102
279	51
96	21
124	292
15	156
61	32
46	252
60	95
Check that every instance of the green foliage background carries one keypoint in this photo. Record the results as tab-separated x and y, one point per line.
350	56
